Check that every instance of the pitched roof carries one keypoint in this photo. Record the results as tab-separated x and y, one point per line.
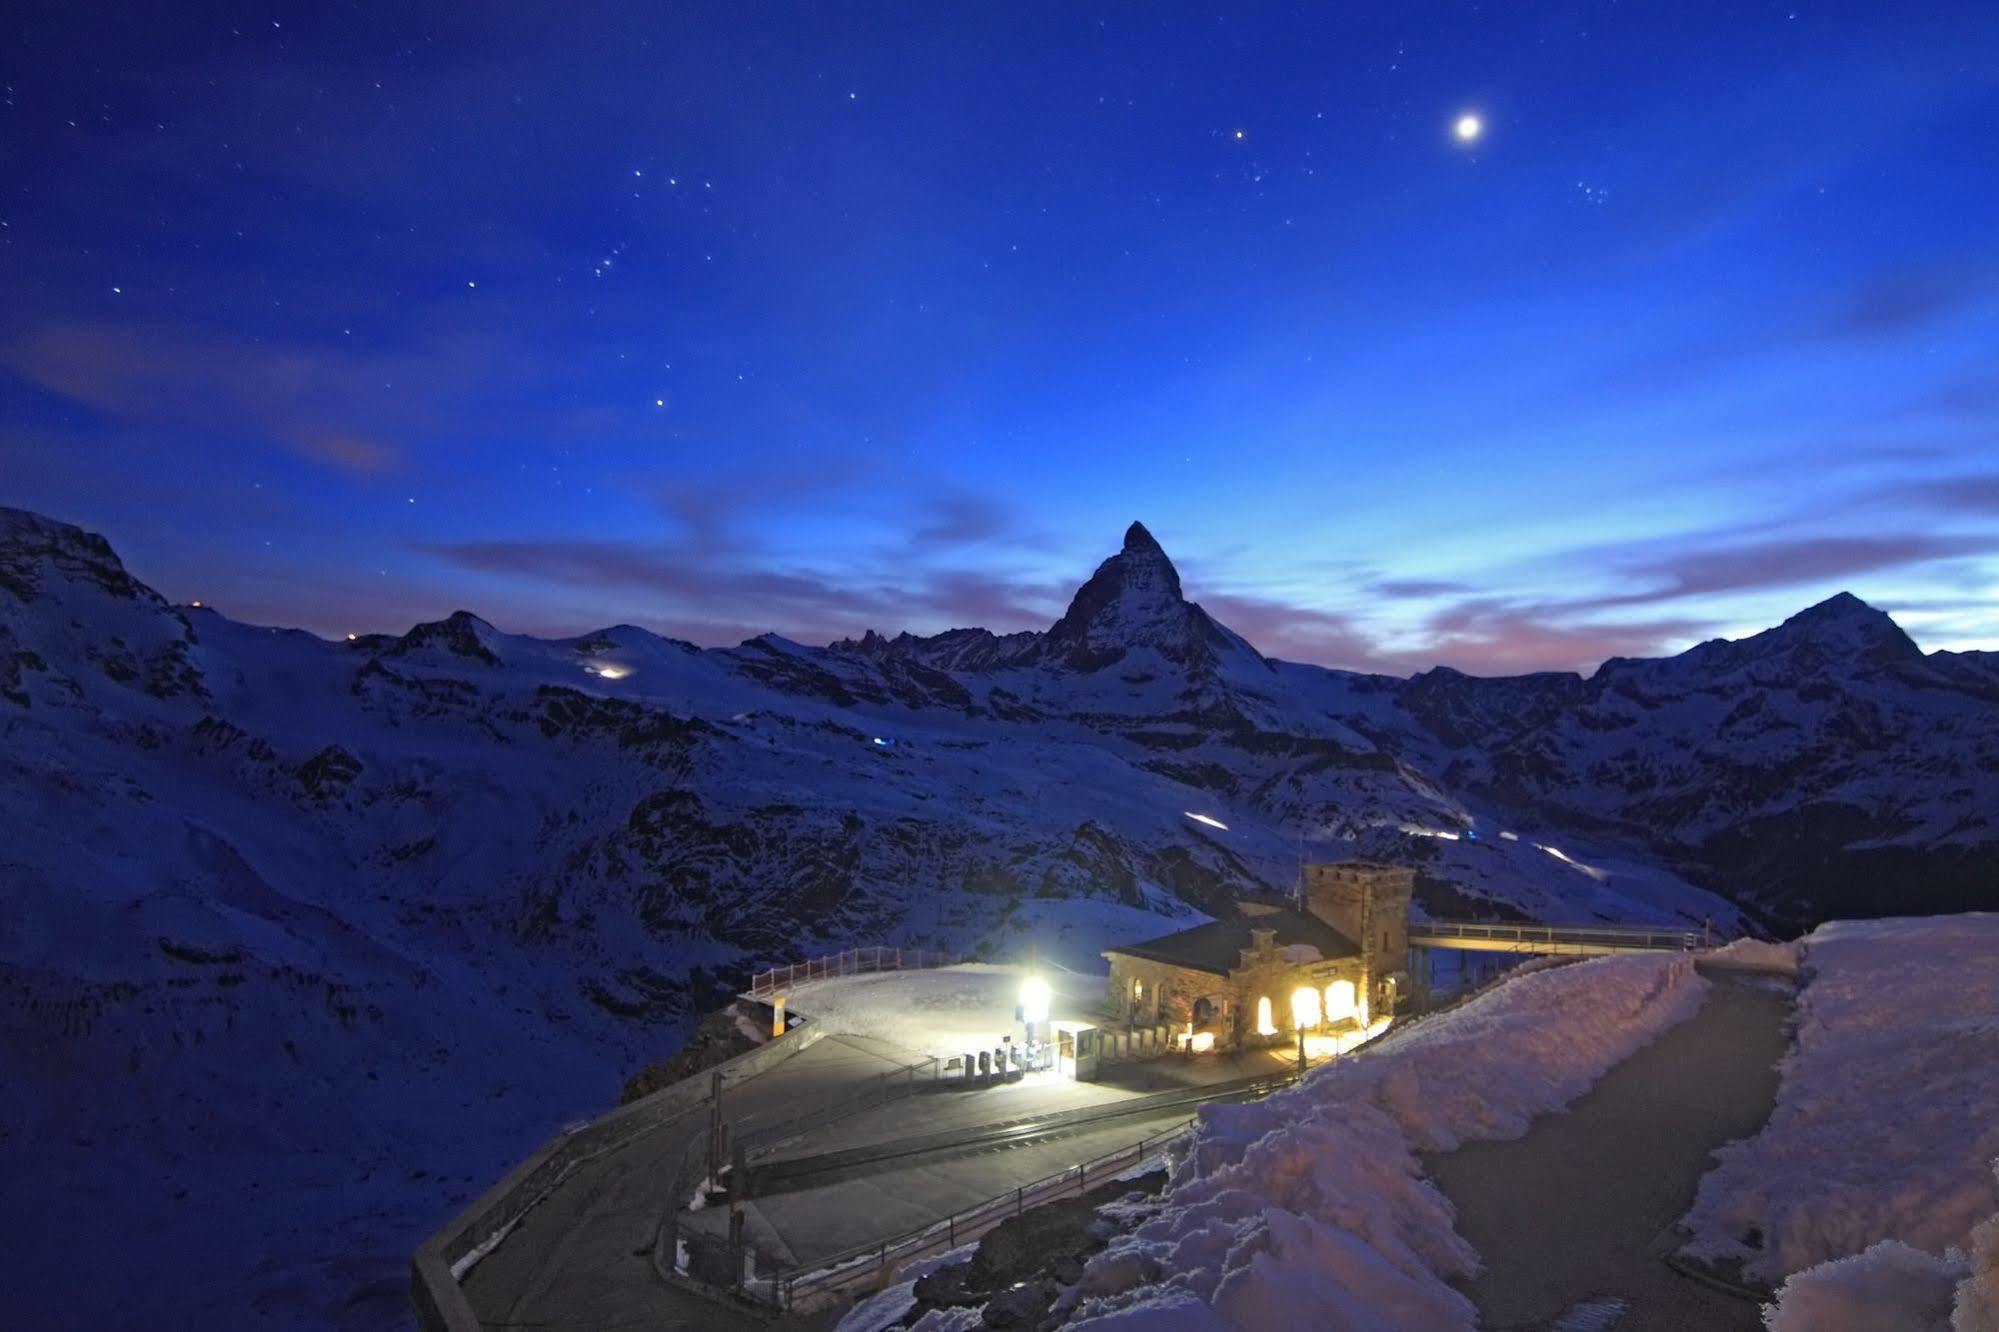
1217	946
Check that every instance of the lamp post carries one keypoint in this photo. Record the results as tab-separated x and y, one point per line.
1304	1013
1034	996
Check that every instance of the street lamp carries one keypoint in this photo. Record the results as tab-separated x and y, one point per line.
1304	1013
1034	996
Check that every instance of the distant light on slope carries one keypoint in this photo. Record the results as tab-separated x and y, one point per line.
608	671
1572	863
1442	833
1203	818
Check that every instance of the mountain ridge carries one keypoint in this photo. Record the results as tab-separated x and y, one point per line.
438	891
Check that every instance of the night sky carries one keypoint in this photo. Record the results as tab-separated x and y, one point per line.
732	318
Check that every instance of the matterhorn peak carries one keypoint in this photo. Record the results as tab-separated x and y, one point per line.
1132	600
1137	539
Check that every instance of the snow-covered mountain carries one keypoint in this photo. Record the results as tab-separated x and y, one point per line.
1826	767
303	942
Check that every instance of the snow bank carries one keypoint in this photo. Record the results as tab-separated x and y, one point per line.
1762	956
1978	1296
886	1308
1890	1287
1309	1209
1894	1287
1887	1119
945	1011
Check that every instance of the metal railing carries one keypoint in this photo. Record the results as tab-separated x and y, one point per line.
830	1274
852	962
1527	937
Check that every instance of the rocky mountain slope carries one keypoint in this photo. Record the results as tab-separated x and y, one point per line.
304	942
1826	767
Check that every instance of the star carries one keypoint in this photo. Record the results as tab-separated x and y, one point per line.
1468	128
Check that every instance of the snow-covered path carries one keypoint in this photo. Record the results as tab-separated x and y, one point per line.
1581	1208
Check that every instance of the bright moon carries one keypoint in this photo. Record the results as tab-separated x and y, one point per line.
1468	128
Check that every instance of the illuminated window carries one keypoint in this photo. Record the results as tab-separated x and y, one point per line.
1305	1008
1340	1002
1264	1026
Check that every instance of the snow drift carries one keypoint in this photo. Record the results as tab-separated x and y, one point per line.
1887	1119
1309	1208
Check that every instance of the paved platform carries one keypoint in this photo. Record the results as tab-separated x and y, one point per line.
864	1206
949	1106
830	1213
1574	1219
581	1259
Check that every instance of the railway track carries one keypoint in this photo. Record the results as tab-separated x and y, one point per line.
810	1171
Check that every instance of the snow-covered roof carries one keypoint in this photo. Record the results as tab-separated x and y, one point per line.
1217	946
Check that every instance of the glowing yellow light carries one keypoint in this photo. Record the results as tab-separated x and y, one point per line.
610	672
1468	128
1202	1042
1203	818
1323	1046
1034	996
1305	1007
1264	1026
197	605
1339	1000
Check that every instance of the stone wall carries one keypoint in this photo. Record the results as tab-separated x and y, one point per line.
1261	973
1169	992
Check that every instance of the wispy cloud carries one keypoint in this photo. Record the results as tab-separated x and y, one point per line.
1901	301
335	406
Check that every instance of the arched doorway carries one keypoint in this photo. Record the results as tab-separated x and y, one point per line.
1264	1025
1341	1002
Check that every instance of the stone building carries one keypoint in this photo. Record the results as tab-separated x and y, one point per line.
1252	978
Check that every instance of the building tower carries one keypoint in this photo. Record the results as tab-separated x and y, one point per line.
1369	903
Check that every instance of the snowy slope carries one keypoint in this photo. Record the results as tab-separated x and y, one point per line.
306	941
1824	767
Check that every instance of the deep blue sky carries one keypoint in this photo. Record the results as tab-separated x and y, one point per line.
728	318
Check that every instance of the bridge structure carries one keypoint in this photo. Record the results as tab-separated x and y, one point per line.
1473	943
1555	940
